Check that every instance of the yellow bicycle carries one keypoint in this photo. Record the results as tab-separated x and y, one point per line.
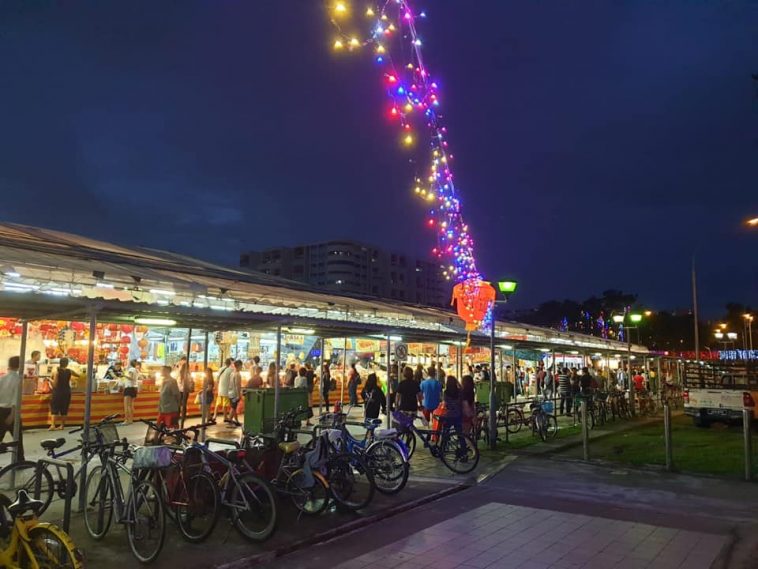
26	542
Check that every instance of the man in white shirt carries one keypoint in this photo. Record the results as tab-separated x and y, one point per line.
222	397
10	384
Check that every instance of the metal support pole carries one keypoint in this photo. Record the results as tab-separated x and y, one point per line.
629	384
20	392
459	360
344	373
277	365
667	437
585	431
205	351
389	382
88	403
747	419
694	314
493	411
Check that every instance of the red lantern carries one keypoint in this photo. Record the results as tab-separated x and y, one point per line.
126	339
78	326
113	327
473	298
124	350
126	328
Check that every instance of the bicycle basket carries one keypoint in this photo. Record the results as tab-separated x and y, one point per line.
548	407
108	431
405	421
151	458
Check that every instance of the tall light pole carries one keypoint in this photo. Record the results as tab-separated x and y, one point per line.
748	330
506	288
619	319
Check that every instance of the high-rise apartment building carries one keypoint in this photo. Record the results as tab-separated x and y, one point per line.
350	267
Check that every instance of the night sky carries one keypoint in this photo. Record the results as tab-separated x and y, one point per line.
598	144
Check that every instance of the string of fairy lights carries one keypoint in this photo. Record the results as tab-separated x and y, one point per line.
388	29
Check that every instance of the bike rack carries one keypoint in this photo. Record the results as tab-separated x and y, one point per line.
69	485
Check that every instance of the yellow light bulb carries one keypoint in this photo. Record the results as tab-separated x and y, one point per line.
338	44
340	8
369	12
384	17
408	140
391	27
408	108
380	49
430	197
417	190
354	42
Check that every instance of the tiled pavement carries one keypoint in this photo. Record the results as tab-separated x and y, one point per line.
499	535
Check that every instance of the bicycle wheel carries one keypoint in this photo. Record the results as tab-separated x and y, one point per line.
253	507
388	465
409	440
310	497
350	481
23	476
546	426
459	453
197	511
98	508
146	524
50	548
515	420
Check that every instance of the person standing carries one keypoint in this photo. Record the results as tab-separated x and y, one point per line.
170	400
373	398
453	410
468	406
270	375
549	385
431	391
115	371
301	381
255	381
418	375
206	395
186	385
290	375
540	377
32	365
326	384
10	384
564	390
131	384
60	398
235	392
408	392
354	380
222	397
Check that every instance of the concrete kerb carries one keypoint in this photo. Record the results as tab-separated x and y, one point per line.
340	531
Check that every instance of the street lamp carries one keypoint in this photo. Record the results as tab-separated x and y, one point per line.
506	288
619	319
748	335
752	222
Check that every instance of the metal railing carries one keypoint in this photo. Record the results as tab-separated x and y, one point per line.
69	485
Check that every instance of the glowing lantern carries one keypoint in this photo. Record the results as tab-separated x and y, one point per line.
142	343
473	299
126	340
126	328
124	350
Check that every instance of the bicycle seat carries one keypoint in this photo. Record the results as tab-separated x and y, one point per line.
373	423
289	448
24	503
50	444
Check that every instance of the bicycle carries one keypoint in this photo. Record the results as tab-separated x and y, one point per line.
385	456
540	421
249	500
459	453
26	542
23	475
140	509
280	460
189	493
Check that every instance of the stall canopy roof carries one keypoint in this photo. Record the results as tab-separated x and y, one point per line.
51	274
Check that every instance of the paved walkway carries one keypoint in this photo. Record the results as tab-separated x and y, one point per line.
501	535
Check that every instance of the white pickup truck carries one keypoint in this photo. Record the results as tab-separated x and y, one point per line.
719	392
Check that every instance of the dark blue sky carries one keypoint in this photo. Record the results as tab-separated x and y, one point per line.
598	144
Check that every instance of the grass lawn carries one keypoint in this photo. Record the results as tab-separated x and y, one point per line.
717	450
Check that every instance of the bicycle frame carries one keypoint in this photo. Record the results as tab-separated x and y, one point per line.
19	539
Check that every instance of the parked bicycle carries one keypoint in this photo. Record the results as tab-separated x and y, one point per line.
458	452
540	419
139	508
52	481
25	542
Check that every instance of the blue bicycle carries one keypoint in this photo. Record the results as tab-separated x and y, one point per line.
384	454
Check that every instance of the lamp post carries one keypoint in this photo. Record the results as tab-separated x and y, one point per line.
731	337
619	319
748	331
506	288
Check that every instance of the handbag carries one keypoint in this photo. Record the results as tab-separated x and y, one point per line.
151	458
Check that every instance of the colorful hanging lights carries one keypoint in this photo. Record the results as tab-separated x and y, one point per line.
415	103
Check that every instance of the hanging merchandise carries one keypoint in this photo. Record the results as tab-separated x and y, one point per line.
414	104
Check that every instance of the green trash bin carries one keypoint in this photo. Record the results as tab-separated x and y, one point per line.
503	392
259	407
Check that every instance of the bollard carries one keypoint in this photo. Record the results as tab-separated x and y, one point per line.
747	419
667	436
585	430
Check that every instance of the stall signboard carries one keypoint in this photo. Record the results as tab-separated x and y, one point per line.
367	345
401	352
294	339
